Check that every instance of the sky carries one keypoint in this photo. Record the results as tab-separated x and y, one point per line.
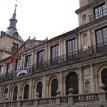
40	18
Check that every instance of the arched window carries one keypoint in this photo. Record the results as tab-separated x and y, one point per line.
104	78
26	91
39	89
6	94
87	87
15	91
72	82
54	87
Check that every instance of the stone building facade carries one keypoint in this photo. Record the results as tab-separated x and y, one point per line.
73	63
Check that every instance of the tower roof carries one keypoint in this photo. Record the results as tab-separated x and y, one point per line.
12	30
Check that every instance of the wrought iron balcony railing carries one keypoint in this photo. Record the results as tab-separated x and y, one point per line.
76	56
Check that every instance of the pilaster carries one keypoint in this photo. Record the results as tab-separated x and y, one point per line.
60	88
80	81
30	89
92	79
44	87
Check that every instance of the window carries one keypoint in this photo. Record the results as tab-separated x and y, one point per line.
104	78
100	11
54	87
15	45
15	34
101	37
6	94
71	47
40	58
39	89
1	69
72	82
17	64
15	92
9	68
26	91
54	53
27	60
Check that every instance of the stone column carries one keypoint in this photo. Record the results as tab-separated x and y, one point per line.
64	86
19	91
64	50
89	38
80	81
9	93
60	50
33	61
44	87
60	88
92	79
79	42
30	89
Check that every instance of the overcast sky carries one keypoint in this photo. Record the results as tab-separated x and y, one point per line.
40	18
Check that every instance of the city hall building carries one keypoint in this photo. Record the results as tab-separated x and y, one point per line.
69	70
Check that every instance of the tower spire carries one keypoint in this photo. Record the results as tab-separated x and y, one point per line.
13	20
12	30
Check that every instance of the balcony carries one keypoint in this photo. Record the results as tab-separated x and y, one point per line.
6	77
79	55
64	59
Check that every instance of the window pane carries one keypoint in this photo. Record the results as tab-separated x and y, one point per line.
26	92
39	89
40	56
54	53
100	11
71	47
101	37
9	68
28	60
54	87
1	69
17	66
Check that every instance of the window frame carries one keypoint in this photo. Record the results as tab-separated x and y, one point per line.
103	44
101	11
71	47
54	53
40	57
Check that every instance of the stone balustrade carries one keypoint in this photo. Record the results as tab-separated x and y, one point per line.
60	100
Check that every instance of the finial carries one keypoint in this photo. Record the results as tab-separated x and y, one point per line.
15	9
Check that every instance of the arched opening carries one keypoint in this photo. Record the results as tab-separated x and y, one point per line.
15	92
87	87
104	78
26	91
54	87
6	94
39	89
72	82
